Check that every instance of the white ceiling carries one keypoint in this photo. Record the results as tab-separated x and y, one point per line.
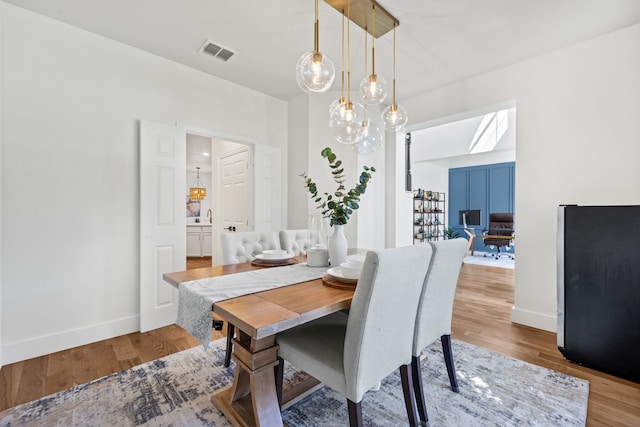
438	41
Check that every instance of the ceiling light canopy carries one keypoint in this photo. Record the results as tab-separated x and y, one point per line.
315	71
361	15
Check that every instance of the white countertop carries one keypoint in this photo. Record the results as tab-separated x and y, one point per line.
199	224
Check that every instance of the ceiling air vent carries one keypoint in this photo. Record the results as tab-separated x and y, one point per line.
217	51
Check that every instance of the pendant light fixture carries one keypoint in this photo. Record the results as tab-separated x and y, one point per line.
315	71
394	117
347	126
197	190
372	88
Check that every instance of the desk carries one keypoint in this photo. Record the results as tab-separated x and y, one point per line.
252	399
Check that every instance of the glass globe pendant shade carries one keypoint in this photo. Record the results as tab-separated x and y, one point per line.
373	89
315	72
394	117
371	139
337	107
346	124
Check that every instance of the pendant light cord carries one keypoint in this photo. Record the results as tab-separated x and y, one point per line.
316	29
349	52
373	39
394	65
342	86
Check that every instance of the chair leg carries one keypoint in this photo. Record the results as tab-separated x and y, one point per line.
227	356
448	360
279	374
355	413
409	399
418	389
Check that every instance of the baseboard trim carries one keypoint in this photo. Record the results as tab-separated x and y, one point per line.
34	347
534	319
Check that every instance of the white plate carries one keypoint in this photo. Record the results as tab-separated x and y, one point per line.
274	260
274	254
337	273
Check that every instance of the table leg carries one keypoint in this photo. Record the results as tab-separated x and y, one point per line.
472	238
252	399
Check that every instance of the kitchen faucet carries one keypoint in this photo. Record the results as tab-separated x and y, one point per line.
210	216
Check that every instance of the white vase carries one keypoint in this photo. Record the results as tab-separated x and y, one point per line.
337	246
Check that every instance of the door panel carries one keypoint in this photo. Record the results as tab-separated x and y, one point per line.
500	182
457	198
162	220
478	193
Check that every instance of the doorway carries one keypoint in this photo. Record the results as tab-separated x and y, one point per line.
471	157
226	172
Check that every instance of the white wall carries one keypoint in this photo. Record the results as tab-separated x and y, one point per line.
1	161
577	142
297	198
70	136
310	134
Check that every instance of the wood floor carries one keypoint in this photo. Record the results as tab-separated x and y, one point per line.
482	312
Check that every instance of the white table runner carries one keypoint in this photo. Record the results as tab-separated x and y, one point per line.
197	297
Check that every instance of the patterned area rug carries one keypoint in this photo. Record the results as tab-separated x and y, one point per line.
495	390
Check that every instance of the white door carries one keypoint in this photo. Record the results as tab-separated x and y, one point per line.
162	220
234	188
235	202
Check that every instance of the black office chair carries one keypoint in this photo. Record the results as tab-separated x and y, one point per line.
500	224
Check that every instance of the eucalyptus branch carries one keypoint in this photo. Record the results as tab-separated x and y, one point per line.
339	205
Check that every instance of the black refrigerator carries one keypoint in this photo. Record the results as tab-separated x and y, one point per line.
599	288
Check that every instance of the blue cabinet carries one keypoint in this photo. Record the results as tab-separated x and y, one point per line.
487	188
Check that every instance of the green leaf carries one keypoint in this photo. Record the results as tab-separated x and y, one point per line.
326	152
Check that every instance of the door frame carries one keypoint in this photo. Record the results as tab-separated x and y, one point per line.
250	143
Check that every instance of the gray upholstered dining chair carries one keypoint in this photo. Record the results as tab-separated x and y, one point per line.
435	310
298	241
243	246
353	353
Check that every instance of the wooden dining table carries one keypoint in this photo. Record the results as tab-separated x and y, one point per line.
252	399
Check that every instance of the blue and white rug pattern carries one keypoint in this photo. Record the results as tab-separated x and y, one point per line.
495	390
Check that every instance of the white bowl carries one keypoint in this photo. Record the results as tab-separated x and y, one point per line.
274	254
349	271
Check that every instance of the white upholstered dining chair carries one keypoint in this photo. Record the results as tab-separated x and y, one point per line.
243	246
353	353
298	241
434	312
